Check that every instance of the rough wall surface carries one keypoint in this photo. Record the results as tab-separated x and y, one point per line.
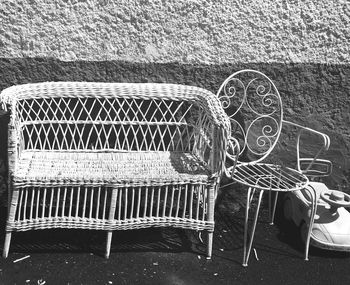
182	31
304	46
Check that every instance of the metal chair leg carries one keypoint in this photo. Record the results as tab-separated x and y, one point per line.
273	210
246	251
313	195
245	236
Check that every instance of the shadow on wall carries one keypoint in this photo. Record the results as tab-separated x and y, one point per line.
314	95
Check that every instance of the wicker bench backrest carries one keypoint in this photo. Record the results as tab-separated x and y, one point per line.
113	116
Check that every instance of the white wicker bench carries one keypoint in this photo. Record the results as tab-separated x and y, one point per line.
113	156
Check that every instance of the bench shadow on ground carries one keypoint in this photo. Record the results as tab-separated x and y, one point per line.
228	236
86	241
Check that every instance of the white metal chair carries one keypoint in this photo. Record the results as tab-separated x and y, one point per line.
254	106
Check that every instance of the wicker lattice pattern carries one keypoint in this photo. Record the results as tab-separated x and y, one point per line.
135	207
113	156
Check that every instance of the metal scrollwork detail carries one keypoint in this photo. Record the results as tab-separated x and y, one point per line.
265	99
254	106
261	135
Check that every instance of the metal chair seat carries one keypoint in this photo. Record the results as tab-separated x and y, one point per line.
269	177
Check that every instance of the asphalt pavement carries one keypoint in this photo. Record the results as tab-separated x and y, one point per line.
173	256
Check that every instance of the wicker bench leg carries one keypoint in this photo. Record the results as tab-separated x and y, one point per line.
7	244
12	207
210	244
210	207
110	219
108	243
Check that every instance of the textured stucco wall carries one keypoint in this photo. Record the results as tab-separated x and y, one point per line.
304	46
201	31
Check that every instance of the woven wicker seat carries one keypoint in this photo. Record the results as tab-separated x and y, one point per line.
41	168
113	156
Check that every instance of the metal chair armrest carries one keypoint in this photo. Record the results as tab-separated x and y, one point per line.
311	161
320	167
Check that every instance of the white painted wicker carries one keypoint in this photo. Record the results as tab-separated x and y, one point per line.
113	156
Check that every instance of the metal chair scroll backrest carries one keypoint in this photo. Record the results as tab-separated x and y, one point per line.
254	106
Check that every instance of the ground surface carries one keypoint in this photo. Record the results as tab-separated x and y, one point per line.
170	256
